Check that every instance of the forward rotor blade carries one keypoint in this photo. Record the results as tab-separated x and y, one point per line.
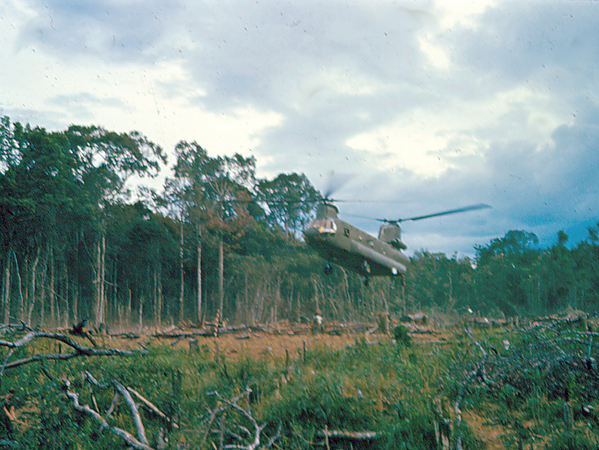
335	182
446	213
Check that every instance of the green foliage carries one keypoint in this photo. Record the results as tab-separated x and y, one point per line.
67	222
578	441
389	389
360	388
401	333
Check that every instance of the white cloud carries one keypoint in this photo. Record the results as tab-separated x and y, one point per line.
434	102
430	141
461	13
437	55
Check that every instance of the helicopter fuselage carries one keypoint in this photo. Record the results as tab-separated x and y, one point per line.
341	243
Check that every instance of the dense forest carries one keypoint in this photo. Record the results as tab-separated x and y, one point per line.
76	243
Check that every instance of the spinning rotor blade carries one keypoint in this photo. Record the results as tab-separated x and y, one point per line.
335	182
442	213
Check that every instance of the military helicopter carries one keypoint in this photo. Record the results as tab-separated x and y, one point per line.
343	244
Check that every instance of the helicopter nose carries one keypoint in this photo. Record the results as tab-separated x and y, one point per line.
314	234
311	233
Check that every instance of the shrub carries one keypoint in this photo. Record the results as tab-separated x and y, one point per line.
401	333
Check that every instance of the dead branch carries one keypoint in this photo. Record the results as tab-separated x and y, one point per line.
80	350
113	403
350	435
15	328
6	361
58	337
95	382
252	441
549	352
130	439
213	415
141	432
152	407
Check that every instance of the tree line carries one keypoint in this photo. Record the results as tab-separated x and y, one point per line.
511	276
216	240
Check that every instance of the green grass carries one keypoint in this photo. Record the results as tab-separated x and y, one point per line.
387	388
383	388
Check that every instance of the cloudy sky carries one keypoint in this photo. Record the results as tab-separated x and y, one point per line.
428	105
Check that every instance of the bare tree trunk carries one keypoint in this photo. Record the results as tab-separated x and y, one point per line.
246	298
316	293
44	273
157	299
51	290
75	301
141	313
181	277
277	298
6	290
33	286
128	305
21	304
100	278
96	300
103	280
114	310
221	266
199	273
65	296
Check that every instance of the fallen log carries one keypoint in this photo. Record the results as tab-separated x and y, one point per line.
351	435
80	350
128	437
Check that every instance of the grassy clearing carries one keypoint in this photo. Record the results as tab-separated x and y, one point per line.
403	391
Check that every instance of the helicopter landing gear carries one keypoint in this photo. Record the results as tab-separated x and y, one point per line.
328	269
366	272
365	268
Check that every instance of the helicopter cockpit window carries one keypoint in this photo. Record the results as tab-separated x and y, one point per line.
326	226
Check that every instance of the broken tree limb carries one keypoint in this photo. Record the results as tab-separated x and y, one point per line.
5	362
141	432
129	438
253	434
59	337
95	382
152	407
80	350
217	409
351	435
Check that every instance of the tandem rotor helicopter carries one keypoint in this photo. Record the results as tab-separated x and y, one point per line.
341	243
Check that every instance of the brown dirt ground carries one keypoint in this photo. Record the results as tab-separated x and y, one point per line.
252	345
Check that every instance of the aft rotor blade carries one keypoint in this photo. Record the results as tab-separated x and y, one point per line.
446	213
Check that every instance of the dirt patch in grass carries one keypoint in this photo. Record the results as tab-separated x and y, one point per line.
253	345
256	344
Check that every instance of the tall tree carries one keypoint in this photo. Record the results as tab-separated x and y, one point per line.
508	270
41	196
216	193
106	160
290	199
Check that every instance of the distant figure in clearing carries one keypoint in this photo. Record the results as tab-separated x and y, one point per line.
317	325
